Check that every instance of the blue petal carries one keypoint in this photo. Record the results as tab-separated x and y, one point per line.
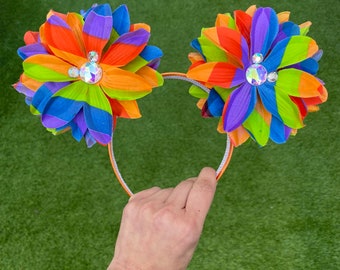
268	97
214	104
279	133
151	52
121	20
99	124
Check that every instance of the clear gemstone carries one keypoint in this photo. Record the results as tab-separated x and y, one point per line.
73	72
272	77
256	74
91	72
93	56
257	58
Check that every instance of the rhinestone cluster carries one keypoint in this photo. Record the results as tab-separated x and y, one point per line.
256	74
90	72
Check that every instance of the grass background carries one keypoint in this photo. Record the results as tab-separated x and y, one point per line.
276	207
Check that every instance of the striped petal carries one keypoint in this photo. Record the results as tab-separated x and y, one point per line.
149	54
287	29
31	37
121	20
297	83
153	77
125	108
56	33
97	28
30	50
240	105
218	74
214	105
126	48
46	68
280	105
238	136
225	20
211	52
43	95
290	51
98	119
264	29
309	65
78	126
258	124
279	133
243	22
64	106
231	41
124	85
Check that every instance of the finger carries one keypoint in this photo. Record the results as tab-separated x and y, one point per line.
179	195
144	193
202	193
159	196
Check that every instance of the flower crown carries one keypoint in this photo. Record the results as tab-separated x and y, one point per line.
255	72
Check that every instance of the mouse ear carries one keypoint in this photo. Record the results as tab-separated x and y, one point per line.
82	70
267	93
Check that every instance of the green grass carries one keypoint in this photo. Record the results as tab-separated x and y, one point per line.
276	207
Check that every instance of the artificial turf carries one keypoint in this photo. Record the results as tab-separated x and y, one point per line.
276	207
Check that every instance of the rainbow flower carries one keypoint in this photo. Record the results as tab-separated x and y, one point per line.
261	70
81	71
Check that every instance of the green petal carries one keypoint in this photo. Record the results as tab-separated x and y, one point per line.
197	92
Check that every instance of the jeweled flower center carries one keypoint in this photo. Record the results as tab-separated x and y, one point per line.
90	72
256	74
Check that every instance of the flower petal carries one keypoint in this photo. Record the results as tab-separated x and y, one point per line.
97	28
290	51
297	83
225	20
98	119
124	85
278	103
238	136
64	105
121	20
217	74
264	29
125	108
126	48
32	49
287	29
258	124
43	95
31	37
231	41
149	54
56	33
240	105
214	105
279	133
243	22
46	68
211	52
154	78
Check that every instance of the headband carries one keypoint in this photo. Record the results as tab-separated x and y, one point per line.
255	71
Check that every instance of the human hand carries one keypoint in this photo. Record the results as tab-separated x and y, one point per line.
160	228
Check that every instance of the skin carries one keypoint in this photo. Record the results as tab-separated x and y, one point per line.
160	228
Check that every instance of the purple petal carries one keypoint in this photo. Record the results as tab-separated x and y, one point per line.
265	26
241	103
98	23
23	90
32	49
